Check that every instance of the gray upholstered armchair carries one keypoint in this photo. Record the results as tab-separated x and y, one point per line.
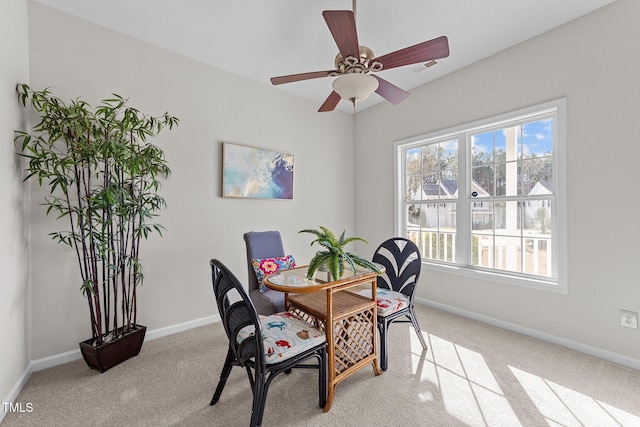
263	244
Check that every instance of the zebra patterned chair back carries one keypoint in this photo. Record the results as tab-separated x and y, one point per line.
402	261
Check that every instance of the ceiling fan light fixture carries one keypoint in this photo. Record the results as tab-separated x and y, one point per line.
355	86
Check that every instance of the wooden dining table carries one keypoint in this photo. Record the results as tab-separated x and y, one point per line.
348	318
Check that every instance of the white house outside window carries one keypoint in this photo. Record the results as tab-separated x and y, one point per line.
488	197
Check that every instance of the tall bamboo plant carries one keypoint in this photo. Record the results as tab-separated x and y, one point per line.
103	177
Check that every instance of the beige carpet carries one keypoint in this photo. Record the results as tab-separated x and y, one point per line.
472	375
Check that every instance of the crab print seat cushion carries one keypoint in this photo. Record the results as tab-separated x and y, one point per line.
284	336
387	301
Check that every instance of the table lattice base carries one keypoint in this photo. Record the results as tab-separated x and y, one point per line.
353	340
352	336
349	321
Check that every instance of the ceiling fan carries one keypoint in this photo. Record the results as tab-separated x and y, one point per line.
354	63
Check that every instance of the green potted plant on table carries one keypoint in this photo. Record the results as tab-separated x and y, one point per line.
334	256
103	179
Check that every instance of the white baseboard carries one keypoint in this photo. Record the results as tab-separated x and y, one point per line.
55	360
17	388
180	327
70	356
573	345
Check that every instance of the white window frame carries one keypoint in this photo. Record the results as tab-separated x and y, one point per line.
559	281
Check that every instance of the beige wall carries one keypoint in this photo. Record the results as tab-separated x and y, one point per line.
14	302
82	59
593	61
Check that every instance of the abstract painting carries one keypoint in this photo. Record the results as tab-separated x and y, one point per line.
256	173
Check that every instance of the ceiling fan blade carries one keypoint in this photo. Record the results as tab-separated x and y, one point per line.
342	25
422	52
390	92
298	77
330	103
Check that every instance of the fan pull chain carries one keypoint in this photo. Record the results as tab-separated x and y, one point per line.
354	107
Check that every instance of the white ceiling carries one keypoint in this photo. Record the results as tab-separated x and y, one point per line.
260	39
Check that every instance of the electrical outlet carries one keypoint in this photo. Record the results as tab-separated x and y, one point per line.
629	319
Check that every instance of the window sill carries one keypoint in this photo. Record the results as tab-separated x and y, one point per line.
513	280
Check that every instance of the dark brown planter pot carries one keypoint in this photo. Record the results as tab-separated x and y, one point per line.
109	354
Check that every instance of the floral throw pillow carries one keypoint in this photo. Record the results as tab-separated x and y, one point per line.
266	266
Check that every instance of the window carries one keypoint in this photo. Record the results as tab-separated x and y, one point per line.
488	197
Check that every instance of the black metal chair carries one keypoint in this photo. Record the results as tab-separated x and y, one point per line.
396	288
265	346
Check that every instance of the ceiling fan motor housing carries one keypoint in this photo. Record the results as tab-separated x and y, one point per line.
351	64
